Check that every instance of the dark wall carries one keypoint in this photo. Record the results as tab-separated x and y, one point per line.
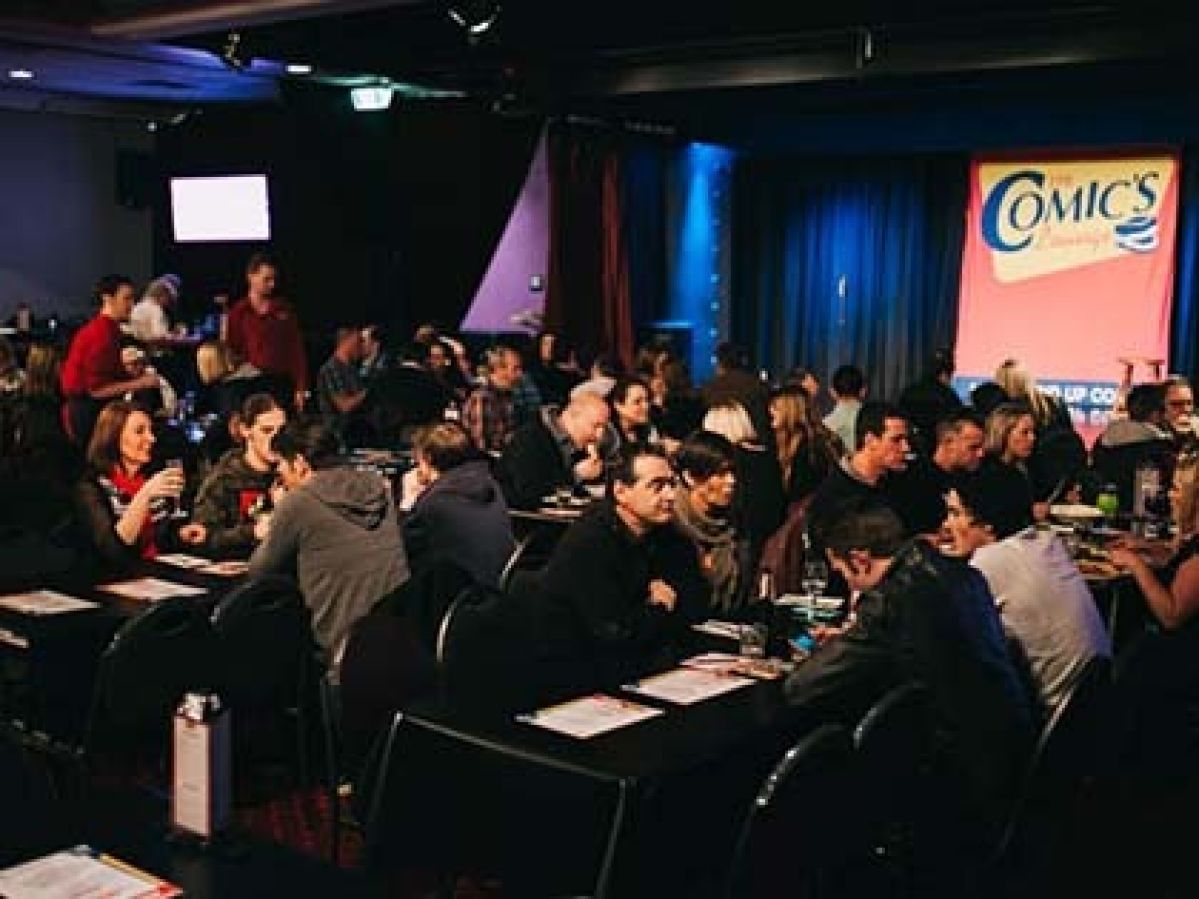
388	217
61	226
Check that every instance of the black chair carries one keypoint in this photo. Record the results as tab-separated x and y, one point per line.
484	652
265	673
532	551
143	673
1069	756
798	831
894	747
449	799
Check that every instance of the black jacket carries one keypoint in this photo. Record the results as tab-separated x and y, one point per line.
96	519
593	610
461	518
931	619
532	465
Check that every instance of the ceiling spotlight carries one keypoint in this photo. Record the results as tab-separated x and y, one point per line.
476	16
299	68
232	54
20	74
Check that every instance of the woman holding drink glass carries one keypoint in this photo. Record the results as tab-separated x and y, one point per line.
127	514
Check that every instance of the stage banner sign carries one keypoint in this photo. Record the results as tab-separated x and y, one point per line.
1068	267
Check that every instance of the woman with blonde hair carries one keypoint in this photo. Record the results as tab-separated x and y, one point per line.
760	501
1010	437
807	451
1020	386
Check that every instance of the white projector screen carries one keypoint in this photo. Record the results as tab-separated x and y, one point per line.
224	208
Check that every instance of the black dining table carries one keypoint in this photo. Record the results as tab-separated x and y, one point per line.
683	781
48	661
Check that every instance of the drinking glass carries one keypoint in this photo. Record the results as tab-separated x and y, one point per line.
176	503
814	578
1108	502
752	640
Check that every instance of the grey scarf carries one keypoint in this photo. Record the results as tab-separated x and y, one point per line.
716	541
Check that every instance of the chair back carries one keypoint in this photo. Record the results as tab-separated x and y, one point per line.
484	652
264	644
152	661
783	554
894	745
793	830
1067	757
446	795
532	552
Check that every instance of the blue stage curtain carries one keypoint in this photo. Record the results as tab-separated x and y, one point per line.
848	260
1184	328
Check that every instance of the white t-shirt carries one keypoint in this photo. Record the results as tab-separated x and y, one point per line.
1046	607
148	321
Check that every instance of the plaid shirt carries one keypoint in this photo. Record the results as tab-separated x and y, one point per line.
487	417
335	377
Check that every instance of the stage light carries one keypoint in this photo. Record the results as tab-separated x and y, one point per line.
20	74
232	54
299	68
476	16
371	99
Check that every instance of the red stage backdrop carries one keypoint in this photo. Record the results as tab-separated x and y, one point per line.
1068	266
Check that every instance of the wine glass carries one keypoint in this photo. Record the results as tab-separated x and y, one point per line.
176	503
814	578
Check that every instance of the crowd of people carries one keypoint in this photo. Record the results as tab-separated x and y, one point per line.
924	507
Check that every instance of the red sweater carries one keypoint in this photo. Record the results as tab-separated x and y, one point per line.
271	342
94	358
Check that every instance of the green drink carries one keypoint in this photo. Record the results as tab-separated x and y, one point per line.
1108	501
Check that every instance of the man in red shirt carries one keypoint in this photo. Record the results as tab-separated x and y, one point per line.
92	373
264	331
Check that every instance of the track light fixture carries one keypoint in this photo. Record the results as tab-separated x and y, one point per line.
475	17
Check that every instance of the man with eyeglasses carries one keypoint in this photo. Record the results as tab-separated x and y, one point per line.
1180	412
623	584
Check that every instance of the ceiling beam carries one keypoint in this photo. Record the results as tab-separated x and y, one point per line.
164	24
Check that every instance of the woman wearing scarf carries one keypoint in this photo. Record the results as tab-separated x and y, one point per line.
704	514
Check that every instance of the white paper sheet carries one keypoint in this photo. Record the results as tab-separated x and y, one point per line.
685	686
44	602
728	629
80	872
182	560
589	716
151	589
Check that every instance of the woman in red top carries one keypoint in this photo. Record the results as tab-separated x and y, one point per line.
125	512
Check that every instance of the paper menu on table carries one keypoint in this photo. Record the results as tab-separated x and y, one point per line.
685	686
715	628
228	568
44	602
151	589
589	716
81	872
725	663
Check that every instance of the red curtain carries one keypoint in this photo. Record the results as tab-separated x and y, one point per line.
587	294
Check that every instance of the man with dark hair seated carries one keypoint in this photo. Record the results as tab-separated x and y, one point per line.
921	616
1141	437
460	514
1045	604
622	585
336	529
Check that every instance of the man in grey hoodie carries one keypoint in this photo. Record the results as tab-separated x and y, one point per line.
336	530
1130	441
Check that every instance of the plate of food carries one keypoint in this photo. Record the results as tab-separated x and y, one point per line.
1096	568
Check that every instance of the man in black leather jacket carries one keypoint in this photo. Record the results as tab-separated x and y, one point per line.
922	616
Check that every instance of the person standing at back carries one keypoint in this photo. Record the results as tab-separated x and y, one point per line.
92	373
849	390
264	331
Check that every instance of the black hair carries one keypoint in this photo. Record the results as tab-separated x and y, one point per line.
622	468
954	421
986	397
257	404
729	356
1145	400
872	419
848	380
311	438
620	390
108	285
704	454
988	497
414	351
258	260
863	524
609	365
